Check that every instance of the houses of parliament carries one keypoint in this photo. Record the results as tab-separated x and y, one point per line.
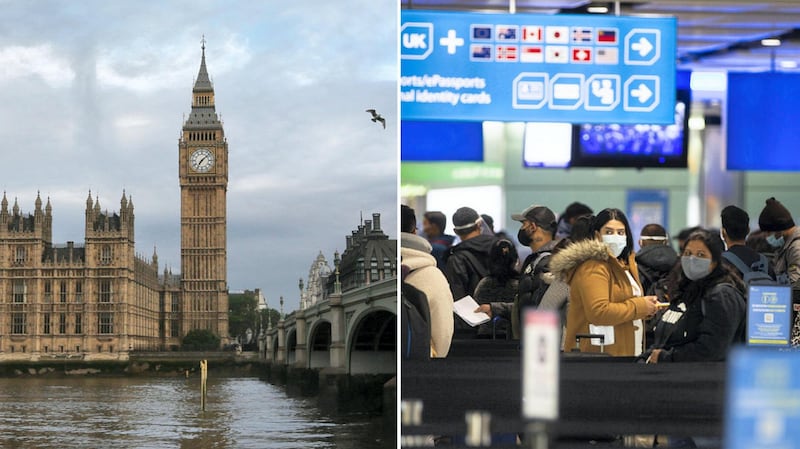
101	300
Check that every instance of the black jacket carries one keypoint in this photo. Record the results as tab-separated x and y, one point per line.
702	329
654	263
463	271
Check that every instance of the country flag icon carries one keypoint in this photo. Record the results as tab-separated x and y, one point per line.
532	34
556	35
507	53
607	36
481	32
582	35
581	55
606	55
479	52
556	54
507	32
531	53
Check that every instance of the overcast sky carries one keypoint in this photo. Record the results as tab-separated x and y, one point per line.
93	96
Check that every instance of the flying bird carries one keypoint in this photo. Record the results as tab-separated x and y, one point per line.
377	117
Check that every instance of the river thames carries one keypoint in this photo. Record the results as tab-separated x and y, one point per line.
153	412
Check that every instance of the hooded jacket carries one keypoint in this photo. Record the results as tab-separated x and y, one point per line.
600	293
702	329
415	253
654	262
464	271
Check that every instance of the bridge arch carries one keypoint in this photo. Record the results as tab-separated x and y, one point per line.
372	342
319	344
274	348
291	347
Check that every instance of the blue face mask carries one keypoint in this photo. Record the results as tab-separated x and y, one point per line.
695	267
775	242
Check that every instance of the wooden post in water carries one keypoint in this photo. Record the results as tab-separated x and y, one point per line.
203	379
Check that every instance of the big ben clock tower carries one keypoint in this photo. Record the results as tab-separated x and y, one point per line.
203	173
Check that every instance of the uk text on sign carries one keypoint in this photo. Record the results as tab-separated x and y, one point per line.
512	67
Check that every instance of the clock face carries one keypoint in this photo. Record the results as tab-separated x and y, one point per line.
202	160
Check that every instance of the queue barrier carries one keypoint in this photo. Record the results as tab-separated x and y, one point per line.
599	396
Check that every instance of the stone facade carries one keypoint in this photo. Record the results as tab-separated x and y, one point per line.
102	300
203	166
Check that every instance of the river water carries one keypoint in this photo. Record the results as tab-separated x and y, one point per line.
117	412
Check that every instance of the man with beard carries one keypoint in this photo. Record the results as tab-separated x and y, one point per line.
538	233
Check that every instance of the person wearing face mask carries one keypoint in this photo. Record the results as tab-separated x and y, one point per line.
537	232
782	234
605	295
707	311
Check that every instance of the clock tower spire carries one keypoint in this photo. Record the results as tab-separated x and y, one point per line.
203	175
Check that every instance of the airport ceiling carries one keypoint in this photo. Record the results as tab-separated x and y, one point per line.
712	34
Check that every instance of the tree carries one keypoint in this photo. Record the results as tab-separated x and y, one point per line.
269	316
200	340
242	315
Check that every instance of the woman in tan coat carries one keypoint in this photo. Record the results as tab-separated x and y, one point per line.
604	286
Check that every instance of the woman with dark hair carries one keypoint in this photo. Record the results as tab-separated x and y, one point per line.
495	292
605	296
707	307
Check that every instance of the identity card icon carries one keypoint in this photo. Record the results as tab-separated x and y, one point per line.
530	90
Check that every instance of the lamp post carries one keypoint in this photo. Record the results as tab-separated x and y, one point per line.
302	305
281	316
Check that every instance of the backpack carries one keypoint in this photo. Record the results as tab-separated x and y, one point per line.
478	268
757	273
529	281
415	323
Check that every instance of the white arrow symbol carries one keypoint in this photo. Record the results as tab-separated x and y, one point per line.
642	93
643	46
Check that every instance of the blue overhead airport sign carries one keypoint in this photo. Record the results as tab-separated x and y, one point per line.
530	67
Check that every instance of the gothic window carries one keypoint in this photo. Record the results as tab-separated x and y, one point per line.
18	323
175	329
388	271
373	270
78	291
105	290
78	324
105	322
46	324
62	291
360	275
105	255
19	291
62	323
48	291
175	303
20	255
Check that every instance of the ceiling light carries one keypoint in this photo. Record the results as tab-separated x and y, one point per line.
771	42
597	9
788	64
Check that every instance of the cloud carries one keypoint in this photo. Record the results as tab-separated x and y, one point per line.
39	61
94	95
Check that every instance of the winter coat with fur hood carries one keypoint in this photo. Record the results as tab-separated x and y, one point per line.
600	293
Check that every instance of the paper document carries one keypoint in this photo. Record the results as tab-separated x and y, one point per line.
465	308
606	331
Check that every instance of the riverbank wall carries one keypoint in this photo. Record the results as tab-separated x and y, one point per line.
223	364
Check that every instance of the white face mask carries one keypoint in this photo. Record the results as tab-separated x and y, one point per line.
616	243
